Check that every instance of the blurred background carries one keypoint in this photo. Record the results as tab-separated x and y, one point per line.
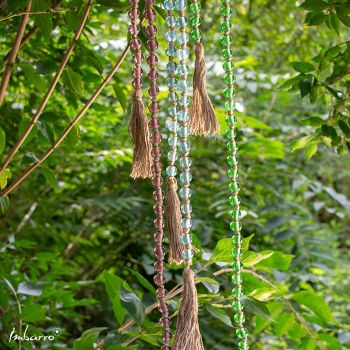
76	236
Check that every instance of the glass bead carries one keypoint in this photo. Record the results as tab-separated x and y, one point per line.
183	116
184	101
187	254
235	226
241	333
232	173
180	5
171	35
185	193
195	21
239	318
185	178
227	53
183	54
237	291
230	133
169	5
172	111
242	345
232	146
232	160
182	38
237	240
234	200
181	21
231	120
234	186
171	171
237	305
186	239
183	69
171	82
171	67
170	20
184	131
172	141
172	156
170	51
230	105
226	11
229	92
195	7
172	97
236	266
182	85
186	208
236	252
226	40
171	125
228	66
236	214
196	34
229	79
184	146
225	26
186	223
185	162
236	279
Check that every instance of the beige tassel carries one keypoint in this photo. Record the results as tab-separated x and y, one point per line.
138	129
188	336
173	216
203	119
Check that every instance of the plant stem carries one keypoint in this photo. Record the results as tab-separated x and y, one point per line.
49	92
16	45
71	125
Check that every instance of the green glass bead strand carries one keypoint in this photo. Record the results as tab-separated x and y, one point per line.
232	162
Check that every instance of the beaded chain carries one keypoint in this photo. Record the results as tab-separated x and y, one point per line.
195	20
184	131
234	200
157	180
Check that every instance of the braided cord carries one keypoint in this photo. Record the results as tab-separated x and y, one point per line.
234	200
157	180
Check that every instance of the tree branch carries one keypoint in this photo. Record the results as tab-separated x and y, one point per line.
16	45
50	90
60	139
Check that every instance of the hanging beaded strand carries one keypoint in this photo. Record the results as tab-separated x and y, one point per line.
157	180
187	335
141	165
234	200
173	213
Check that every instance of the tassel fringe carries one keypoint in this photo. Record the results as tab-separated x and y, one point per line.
188	336
138	129
203	119
173	216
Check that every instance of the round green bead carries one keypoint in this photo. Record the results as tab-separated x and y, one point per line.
242	345
232	146
225	26
225	11
237	291
239	318
234	186
227	53
241	333
231	120
226	40
225	2
228	66
229	92
236	279
237	253
231	160
195	21
234	200
195	7
237	306
236	266
196	34
235	226
230	134
232	173
237	240
229	78
230	105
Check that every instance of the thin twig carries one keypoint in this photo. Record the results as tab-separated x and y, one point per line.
60	139
49	11
16	45
50	90
27	216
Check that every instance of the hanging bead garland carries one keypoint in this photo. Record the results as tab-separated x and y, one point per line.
234	200
157	180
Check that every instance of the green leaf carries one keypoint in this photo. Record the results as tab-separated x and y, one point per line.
212	285
251	258
33	313
73	81
87	339
22	127
132	303
344	127
219	313
315	18
47	132
315	303
314	5
4	175
143	281
119	92
304	87
43	21
331	342
301	143
343	17
275	261
2	140
4	204
49	176
283	324
256	307
252	122
303	67
311	150
118	5
313	121
307	344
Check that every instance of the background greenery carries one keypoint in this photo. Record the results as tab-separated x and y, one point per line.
76	239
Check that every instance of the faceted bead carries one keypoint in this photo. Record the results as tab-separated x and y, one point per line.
232	146
182	38
234	187
152	44
237	305
183	54
228	66
226	11
185	162
159	279
171	171
236	266
227	53
237	240
171	67
165	322
186	239
180	5
232	160
236	214
171	35
195	7
237	291
183	116
229	92
196	34
172	111
235	226
152	75
159	266
187	254
231	120
229	78
242	345
236	279
169	5
184	131
226	40
230	133
152	60
182	21
172	141
151	30
172	125
185	193
171	82
172	97
234	200
236	252
186	223
184	101
184	146
195	21
135	44
239	317
166	337
241	333
182	85
156	137
186	208
183	69
172	156
170	51
170	20
232	173
225	26
185	178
